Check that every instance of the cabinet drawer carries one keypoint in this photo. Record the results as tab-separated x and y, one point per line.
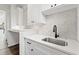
33	51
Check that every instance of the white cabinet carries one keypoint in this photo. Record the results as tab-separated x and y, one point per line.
59	8
45	7
34	48
17	23
18	15
48	6
12	38
31	49
34	14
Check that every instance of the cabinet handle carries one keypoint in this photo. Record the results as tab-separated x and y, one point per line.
28	42
32	49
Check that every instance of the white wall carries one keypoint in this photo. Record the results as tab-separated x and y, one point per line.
66	23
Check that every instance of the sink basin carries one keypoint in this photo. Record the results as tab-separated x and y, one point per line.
55	41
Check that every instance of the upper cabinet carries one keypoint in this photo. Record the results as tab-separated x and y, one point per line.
34	14
58	8
45	7
49	6
18	13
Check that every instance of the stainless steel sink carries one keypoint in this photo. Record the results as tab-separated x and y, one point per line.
55	41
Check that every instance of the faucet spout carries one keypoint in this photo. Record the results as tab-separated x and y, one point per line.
55	29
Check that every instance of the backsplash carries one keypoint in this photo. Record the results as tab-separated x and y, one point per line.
66	24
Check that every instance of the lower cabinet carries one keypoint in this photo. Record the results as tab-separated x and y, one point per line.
34	48
33	51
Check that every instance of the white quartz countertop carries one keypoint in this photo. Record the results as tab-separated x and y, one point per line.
72	48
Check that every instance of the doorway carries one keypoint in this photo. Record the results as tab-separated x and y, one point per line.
2	29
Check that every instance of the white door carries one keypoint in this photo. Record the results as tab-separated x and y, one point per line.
2	29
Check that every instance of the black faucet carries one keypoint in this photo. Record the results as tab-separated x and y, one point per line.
55	30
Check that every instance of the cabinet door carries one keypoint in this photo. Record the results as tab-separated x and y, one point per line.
33	51
33	14
48	6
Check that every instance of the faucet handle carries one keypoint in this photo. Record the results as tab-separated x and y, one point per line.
56	35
